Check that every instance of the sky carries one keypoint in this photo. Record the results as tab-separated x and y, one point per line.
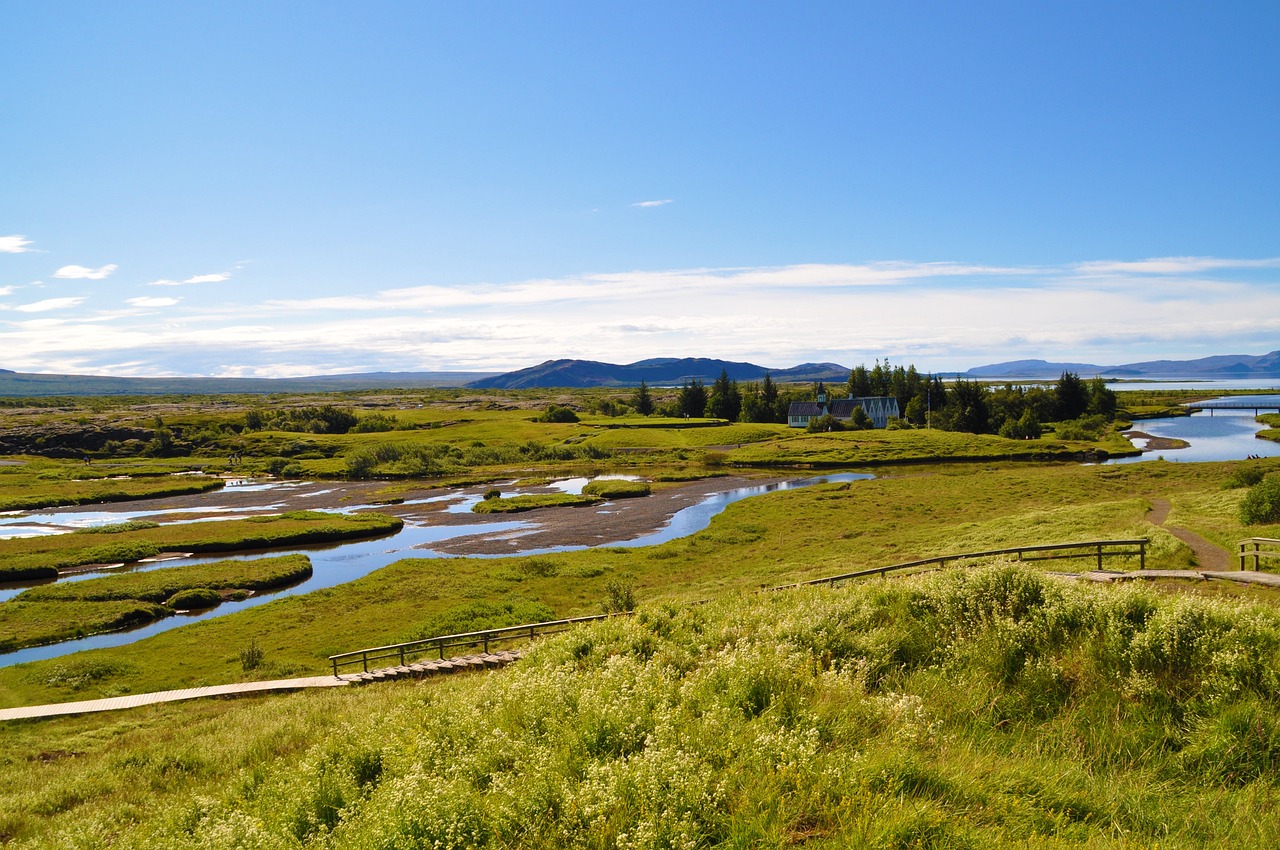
302	188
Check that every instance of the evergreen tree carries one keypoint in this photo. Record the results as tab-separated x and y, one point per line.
692	401
725	401
1072	397
642	401
1102	400
859	382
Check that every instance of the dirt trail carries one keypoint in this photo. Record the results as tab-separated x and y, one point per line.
1208	556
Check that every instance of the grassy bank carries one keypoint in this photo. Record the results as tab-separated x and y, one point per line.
32	483
773	539
75	609
38	556
995	708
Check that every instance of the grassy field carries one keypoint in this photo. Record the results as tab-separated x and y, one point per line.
54	612
769	540
992	708
45	555
28	483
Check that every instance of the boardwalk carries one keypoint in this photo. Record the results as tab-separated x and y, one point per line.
448	665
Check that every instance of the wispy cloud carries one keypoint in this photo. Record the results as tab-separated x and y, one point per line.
1174	265
153	302
661	203
940	315
194	279
49	304
85	273
15	245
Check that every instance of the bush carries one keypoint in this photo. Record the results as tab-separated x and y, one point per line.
1261	504
194	599
558	413
252	656
824	423
620	597
1246	477
616	488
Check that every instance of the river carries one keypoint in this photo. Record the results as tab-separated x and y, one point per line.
340	563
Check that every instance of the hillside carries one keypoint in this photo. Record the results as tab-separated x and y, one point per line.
1218	366
664	371
994	708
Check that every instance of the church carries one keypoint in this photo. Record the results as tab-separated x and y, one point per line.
879	408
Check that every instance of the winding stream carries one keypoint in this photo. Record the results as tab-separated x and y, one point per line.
343	562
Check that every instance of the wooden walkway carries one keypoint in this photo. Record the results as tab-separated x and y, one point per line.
420	670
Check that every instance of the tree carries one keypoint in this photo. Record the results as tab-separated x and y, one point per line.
1026	427
725	401
859	382
860	420
1102	401
966	408
1072	396
642	402
692	401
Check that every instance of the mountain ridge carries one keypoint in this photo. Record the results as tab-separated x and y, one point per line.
570	373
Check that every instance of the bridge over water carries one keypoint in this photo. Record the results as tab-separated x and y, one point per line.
1258	405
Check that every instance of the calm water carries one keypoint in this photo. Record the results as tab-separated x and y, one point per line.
1216	435
340	563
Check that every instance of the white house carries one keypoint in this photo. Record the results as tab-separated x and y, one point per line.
879	408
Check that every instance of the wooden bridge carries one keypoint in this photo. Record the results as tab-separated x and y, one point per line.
1233	405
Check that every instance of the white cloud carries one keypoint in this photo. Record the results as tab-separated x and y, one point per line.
84	273
937	315
14	245
1174	265
7	290
153	302
199	278
653	203
49	304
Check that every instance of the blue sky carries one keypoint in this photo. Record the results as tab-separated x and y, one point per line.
293	188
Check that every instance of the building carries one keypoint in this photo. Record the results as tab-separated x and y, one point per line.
879	408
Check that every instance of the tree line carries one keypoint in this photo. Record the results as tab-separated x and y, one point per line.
1014	411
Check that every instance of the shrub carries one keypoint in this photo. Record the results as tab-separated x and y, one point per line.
252	656
1245	477
1262	503
558	413
616	488
194	599
620	597
825	423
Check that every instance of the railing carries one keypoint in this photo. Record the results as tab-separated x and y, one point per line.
404	652
1263	547
1097	549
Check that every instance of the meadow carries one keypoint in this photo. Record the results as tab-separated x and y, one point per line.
991	707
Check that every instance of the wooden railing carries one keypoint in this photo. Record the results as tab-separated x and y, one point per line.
1258	548
1097	549
401	653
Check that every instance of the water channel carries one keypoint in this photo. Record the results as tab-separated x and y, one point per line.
340	563
1216	435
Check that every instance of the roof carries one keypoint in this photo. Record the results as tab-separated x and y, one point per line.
804	408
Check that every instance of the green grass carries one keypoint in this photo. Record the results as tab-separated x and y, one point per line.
770	540
518	504
41	483
55	612
62	551
857	448
992	708
617	488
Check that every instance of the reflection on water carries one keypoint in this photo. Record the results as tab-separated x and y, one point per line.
1216	435
343	562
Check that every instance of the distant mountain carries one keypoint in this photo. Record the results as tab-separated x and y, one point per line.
661	371
30	385
1218	366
